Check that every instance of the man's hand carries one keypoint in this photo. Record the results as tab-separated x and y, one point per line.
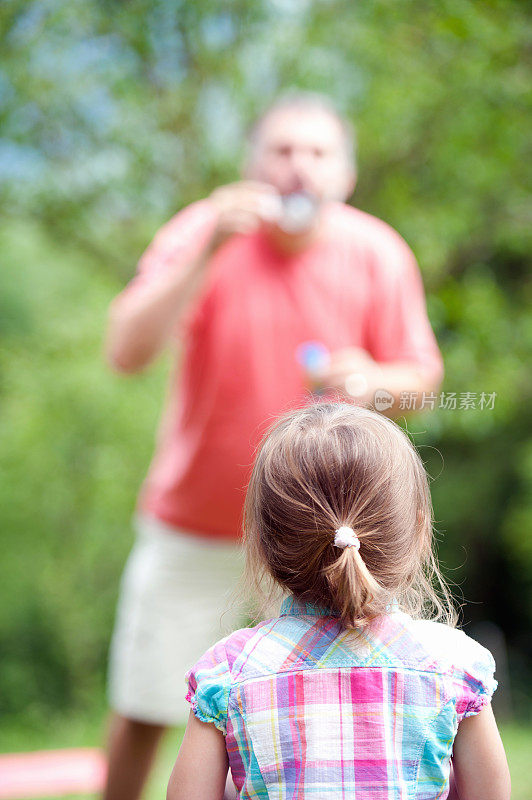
243	207
353	372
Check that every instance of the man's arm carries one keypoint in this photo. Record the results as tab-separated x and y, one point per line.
357	375
141	319
141	323
403	355
408	377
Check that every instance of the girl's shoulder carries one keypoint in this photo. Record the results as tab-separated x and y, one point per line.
451	647
442	655
467	665
462	667
210	680
397	640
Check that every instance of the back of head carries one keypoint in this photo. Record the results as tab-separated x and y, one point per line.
332	465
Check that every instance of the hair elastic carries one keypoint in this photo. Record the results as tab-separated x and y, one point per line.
346	537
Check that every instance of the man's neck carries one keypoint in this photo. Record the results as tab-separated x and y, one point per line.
289	244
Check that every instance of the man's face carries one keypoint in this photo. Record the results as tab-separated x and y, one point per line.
302	150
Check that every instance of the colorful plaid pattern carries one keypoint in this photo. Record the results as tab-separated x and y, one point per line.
311	710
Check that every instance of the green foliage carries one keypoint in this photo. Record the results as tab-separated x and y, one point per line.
116	114
68	489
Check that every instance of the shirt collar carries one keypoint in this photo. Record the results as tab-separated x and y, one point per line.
298	608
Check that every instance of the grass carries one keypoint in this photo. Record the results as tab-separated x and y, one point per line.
89	731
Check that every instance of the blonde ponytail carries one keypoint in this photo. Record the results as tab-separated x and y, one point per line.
356	593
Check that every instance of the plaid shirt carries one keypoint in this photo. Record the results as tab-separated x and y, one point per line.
311	710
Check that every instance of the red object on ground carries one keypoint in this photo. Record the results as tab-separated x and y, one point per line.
51	772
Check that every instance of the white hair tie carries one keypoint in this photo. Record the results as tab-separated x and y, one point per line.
346	537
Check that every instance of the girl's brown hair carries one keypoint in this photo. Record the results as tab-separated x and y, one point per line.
330	465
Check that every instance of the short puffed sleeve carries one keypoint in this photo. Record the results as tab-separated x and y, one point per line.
474	677
209	683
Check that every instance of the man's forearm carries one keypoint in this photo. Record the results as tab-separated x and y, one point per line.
406	377
140	322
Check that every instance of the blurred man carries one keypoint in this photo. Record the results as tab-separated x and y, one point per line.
244	280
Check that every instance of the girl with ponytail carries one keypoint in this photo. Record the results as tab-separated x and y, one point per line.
361	686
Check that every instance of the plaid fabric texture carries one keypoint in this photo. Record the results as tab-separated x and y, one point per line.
311	710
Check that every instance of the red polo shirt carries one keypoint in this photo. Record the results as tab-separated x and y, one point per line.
359	285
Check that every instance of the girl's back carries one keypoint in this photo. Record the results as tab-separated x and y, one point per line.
351	692
307	707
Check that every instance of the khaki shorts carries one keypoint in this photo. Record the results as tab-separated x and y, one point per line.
175	602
